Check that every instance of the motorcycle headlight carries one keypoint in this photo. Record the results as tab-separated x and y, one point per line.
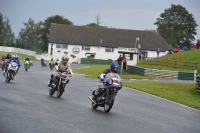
109	81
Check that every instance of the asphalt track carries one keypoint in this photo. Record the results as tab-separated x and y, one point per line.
26	107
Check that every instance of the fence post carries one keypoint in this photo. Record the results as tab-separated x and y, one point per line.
195	76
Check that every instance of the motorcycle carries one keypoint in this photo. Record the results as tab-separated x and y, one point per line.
51	65
56	65
4	64
60	86
109	87
43	63
11	71
26	65
1	64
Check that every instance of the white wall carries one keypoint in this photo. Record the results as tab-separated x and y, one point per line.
100	53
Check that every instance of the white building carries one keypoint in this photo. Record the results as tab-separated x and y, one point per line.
102	43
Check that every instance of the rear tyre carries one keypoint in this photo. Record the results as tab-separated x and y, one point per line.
26	68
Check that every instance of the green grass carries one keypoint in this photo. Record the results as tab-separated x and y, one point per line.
95	70
180	93
21	56
192	56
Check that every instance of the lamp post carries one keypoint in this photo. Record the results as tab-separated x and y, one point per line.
136	39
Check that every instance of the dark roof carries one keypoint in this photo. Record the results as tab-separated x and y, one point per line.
91	36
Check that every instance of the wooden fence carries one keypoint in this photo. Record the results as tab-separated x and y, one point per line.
173	63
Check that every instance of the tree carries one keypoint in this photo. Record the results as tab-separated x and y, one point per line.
47	24
176	24
8	35
92	24
30	36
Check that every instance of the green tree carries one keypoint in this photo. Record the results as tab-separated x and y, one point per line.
47	24
92	24
1	30
176	24
8	35
30	36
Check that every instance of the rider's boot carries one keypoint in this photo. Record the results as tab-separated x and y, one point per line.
51	80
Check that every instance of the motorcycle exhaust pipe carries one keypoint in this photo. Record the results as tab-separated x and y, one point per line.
92	100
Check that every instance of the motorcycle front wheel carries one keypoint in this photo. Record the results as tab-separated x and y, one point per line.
60	91
8	77
108	105
51	92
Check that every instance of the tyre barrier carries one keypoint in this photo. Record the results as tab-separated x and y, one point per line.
197	87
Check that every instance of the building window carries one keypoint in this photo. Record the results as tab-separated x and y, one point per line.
58	46
87	48
109	49
65	46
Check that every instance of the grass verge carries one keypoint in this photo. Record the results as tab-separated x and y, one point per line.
95	70
180	93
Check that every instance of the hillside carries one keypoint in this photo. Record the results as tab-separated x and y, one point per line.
190	58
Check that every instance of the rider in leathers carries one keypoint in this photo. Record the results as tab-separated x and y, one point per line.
62	66
113	69
15	59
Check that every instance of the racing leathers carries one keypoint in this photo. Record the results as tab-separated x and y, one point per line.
10	60
62	66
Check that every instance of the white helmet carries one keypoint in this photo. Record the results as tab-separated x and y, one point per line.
65	58
15	57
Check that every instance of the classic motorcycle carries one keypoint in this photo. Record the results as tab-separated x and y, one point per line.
51	65
4	64
26	65
11	71
43	63
1	64
109	88
60	85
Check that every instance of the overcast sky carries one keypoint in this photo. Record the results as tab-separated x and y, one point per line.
121	14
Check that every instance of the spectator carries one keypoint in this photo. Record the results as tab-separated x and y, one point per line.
198	44
124	62
119	60
158	52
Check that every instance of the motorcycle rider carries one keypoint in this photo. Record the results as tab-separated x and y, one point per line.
42	62
8	56
28	59
62	66
51	62
113	69
15	58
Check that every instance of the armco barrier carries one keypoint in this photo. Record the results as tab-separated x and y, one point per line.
95	61
197	87
163	74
